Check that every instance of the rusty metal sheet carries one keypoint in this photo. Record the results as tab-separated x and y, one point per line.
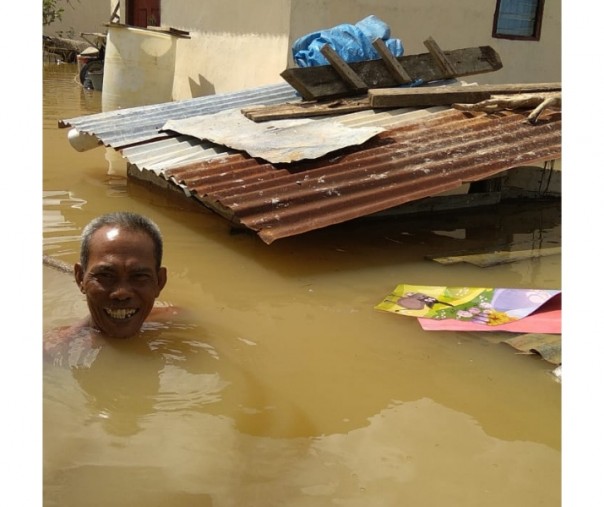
422	158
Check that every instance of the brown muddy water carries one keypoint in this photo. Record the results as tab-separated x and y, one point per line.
288	388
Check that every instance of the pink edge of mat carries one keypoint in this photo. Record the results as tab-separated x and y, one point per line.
548	321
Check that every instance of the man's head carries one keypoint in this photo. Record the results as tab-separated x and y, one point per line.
120	271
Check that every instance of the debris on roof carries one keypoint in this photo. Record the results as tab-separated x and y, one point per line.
340	79
450	95
488	98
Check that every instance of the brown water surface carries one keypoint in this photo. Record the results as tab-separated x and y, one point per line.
288	388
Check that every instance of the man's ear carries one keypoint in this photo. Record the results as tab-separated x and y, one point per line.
162	278
78	274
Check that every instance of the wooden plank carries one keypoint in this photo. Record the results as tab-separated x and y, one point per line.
323	81
485	260
390	97
548	346
439	56
446	95
306	109
343	69
422	97
396	69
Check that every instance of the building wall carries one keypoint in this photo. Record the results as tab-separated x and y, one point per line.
458	24
235	44
80	16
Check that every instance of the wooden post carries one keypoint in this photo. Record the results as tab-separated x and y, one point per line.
395	68
343	69
439	56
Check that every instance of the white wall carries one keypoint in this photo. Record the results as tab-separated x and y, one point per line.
239	44
235	44
453	24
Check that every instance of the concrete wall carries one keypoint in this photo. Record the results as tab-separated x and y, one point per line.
81	16
238	44
235	44
453	24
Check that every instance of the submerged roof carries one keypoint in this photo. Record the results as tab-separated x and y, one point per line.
419	153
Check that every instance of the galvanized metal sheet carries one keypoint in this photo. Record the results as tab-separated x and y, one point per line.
126	127
280	141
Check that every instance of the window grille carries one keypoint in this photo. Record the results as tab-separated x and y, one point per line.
518	19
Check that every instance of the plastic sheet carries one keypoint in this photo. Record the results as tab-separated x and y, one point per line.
353	43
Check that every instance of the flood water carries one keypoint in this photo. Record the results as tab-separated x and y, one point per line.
287	387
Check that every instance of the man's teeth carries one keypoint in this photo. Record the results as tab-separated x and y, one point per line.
121	313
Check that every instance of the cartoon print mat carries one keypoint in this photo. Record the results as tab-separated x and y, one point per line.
476	308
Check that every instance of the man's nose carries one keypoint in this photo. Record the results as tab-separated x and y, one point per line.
121	290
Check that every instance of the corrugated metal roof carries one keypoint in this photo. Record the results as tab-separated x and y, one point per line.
423	153
166	153
422	159
125	127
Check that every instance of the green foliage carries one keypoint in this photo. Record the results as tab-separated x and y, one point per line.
52	10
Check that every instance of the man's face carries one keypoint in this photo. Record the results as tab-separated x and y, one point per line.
121	281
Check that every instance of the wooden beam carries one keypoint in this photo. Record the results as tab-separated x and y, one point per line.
425	97
395	68
323	81
439	56
343	69
446	95
306	109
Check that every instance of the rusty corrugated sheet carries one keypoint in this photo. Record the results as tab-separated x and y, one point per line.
423	158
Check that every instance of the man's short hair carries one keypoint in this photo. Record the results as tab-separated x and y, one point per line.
125	220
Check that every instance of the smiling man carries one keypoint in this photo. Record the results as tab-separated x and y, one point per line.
121	275
120	272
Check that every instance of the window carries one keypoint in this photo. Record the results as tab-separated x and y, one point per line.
518	19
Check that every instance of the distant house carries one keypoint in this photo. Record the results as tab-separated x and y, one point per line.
236	45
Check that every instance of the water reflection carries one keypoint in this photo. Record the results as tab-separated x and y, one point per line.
407	454
126	380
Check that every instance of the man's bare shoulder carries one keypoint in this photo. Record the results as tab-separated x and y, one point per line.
166	313
63	335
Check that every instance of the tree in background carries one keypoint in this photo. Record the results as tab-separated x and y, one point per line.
52	11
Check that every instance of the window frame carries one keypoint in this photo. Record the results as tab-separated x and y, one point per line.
537	26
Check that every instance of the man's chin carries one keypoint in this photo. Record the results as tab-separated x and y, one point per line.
125	328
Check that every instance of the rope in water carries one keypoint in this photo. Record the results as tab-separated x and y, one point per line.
57	264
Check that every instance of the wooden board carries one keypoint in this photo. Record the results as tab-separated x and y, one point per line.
446	95
306	109
392	97
484	260
324	81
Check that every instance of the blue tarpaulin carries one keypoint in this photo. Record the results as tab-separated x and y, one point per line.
353	43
